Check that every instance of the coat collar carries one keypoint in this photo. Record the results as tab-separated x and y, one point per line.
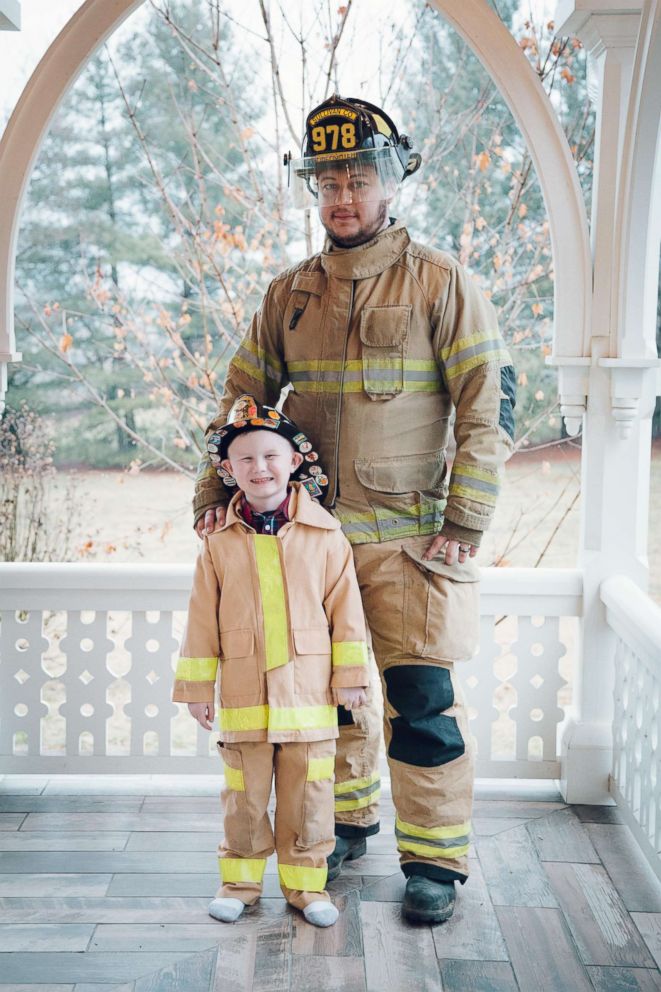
369	259
302	510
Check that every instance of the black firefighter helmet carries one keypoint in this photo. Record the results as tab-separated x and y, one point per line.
355	138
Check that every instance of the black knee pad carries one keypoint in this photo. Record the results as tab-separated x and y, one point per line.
344	717
421	734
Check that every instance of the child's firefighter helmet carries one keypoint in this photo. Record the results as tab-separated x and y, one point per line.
352	152
247	415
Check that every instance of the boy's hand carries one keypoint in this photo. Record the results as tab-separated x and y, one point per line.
203	713
350	698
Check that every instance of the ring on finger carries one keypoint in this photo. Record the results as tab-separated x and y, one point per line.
464	549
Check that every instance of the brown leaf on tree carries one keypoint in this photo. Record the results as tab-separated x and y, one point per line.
65	343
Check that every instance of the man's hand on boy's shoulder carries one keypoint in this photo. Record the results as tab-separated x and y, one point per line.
209	521
203	713
351	698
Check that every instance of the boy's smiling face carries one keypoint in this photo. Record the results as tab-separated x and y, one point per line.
262	462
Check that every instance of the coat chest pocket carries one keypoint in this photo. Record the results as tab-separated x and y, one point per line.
384	333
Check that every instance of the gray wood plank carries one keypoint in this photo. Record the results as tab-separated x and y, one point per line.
40	988
512	870
45	937
541	950
624	980
344	939
649	926
632	876
598	814
164	885
235	963
158	840
111	862
77	909
601	927
478	976
183	804
122	821
11	821
192	974
272	958
487	826
521	790
345	884
74	967
397	954
472	932
53	885
389	889
70	804
147	937
22	785
514	808
377	864
131	785
49	841
341	974
561	837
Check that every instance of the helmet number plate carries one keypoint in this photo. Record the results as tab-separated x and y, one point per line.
333	137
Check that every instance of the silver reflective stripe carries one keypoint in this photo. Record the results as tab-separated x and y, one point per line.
440	843
263	366
494	344
359	793
469	480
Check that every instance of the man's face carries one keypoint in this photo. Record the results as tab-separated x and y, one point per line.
262	462
352	204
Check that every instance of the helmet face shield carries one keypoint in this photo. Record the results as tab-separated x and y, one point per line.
326	180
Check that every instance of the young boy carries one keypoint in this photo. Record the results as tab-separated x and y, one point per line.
275	597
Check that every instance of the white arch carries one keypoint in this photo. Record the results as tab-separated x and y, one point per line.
478	25
495	47
50	82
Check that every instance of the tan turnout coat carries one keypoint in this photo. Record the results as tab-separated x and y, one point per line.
380	343
283	615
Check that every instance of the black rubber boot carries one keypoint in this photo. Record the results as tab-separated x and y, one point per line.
426	901
346	849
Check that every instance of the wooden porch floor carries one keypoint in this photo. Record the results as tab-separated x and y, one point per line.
104	883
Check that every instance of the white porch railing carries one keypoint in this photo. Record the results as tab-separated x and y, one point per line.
636	777
87	653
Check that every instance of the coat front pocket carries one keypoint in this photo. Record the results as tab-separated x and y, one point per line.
312	664
239	670
384	335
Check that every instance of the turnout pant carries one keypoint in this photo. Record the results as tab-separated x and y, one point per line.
303	836
420	622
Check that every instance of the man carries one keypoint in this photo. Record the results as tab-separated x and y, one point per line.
380	339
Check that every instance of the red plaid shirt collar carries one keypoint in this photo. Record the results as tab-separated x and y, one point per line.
269	522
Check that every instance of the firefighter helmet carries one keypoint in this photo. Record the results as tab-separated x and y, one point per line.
351	149
248	415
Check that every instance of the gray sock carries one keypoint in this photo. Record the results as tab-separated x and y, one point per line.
321	913
226	910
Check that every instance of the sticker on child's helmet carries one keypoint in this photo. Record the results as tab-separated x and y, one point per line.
312	457
297	438
212	447
239	423
257	422
305	446
311	487
315	469
322	480
274	415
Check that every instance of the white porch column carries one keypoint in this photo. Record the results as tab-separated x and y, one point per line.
617	425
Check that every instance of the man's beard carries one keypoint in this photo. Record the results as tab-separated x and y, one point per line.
365	234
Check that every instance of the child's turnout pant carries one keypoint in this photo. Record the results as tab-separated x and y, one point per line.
303	836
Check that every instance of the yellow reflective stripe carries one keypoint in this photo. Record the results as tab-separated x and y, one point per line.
432	852
302	717
244	718
356	365
463	343
356	783
264	357
343	805
470	363
320	769
349	653
303	879
242	869
476	473
197	669
234	779
255	373
433	833
468	492
274	605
